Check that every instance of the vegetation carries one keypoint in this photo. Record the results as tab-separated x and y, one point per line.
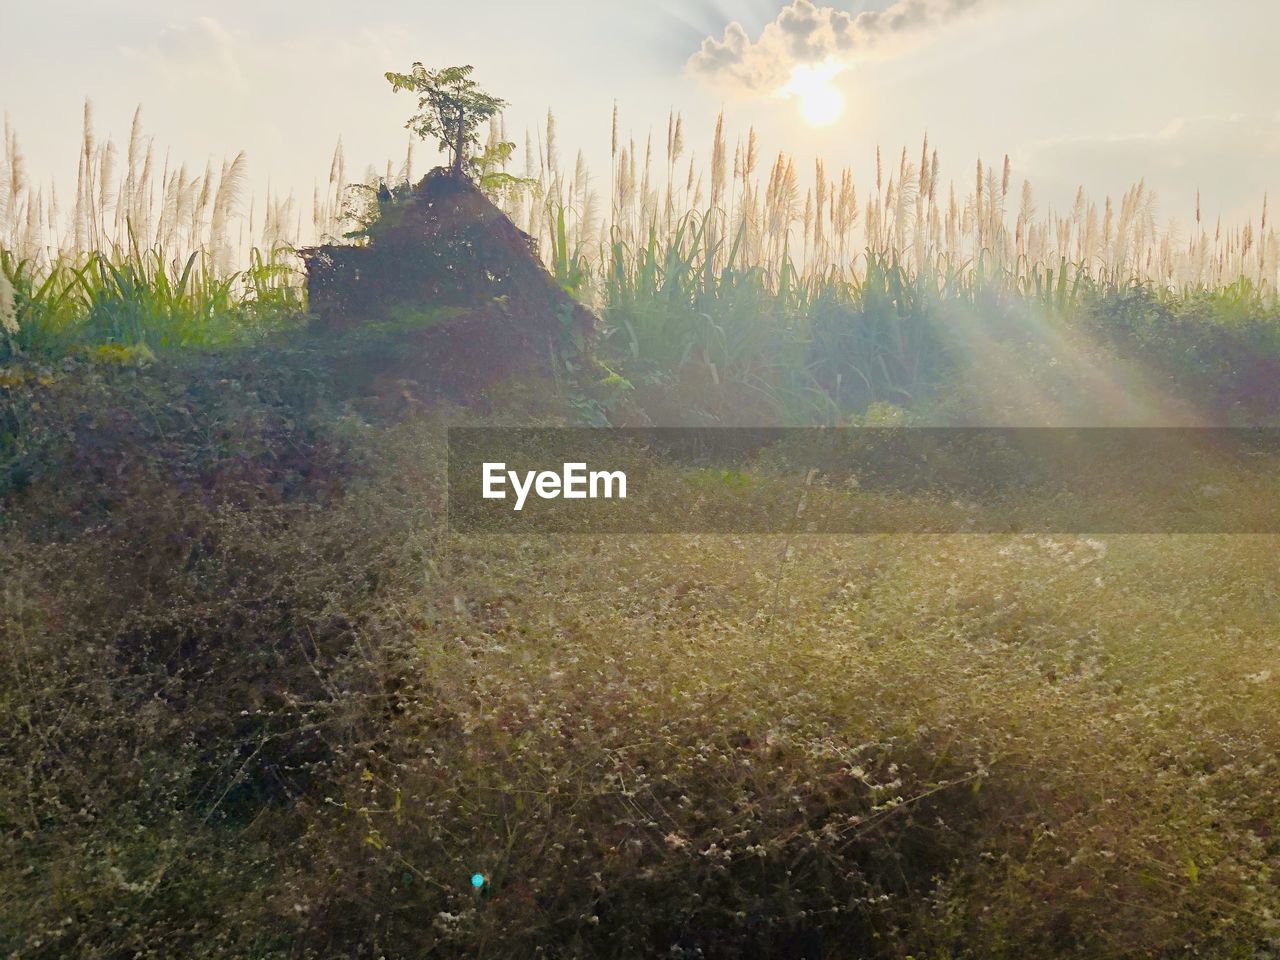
453	109
313	714
259	700
724	297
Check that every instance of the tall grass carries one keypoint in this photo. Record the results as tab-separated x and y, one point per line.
833	293
831	226
147	253
135	199
737	276
743	214
144	299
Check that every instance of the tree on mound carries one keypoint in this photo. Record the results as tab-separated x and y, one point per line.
452	109
445	289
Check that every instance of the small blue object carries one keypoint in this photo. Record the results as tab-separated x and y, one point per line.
477	880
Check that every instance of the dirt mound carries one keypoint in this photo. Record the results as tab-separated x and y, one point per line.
447	292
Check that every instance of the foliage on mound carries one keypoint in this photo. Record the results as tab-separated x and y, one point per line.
458	281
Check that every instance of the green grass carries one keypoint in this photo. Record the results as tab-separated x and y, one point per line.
731	345
144	299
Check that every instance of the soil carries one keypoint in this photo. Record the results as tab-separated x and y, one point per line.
447	293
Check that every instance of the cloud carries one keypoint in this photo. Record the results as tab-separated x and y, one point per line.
806	34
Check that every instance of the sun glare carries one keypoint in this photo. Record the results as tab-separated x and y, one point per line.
820	102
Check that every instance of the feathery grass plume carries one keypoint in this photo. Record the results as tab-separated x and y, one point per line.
13	183
717	163
979	211
647	204
1026	213
820	203
614	150
671	136
553	157
230	186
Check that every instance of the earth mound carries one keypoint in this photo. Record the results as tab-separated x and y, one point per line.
447	293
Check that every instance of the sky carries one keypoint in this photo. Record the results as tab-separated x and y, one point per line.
1094	92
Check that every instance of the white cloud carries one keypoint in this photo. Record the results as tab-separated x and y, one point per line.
806	34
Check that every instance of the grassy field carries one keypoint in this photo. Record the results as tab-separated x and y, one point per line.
257	700
304	722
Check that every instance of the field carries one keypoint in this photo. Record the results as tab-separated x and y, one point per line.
258	700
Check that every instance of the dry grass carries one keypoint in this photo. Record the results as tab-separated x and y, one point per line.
774	218
749	213
746	746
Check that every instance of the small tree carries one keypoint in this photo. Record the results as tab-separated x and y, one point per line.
452	109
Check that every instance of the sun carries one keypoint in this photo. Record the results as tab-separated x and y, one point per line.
821	104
